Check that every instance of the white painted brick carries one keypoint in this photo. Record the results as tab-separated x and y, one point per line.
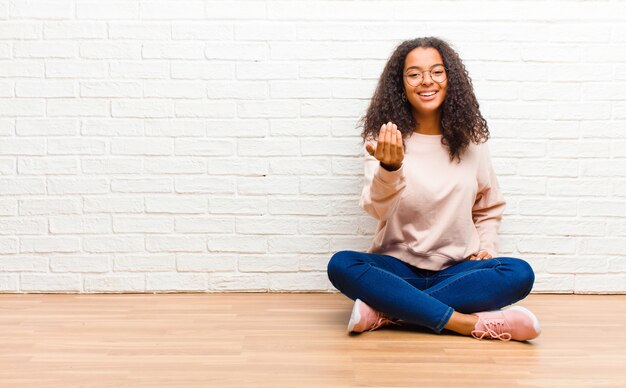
617	264
197	147
616	227
268	109
8	167
22	186
298	206
299	89
329	31
24	264
327	226
8	207
176	282
600	284
578	187
205	225
267	263
77	185
212	185
265	31
43	50
202	70
74	30
237	128
175	165
267	185
80	263
50	283
76	146
183	204
172	10
350	243
44	166
525	186
553	283
298	281
99	51
9	282
235	51
257	282
172	50
547	245
72	69
21	29
46	127
242	90
110	89
569	264
139	30
111	128
239	166
268	147
520	149
551	226
49	244
299	166
604	168
112	243
266	225
140	263
366	226
347	166
238	243
334	69
314	262
238	205
141	146
170	128
51	88
47	206
30	146
298	244
142	109
142	224
152	69
176	243
80	225
105	204
602	208
190	30
332	108
548	207
331	147
236	10
8	245
202	262
330	186
113	9
111	166
21	69
141	185
23	226
206	109
115	283
599	246
549	167
300	127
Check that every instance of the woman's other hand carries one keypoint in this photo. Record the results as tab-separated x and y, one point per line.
389	149
482	255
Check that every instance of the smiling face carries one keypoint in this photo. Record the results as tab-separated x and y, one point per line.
423	101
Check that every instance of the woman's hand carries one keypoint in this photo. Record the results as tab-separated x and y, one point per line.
389	149
482	255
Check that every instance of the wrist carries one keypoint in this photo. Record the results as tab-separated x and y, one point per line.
390	167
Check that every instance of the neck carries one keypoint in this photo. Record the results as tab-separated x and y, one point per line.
428	124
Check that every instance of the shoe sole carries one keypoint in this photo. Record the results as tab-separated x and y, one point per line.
536	325
355	317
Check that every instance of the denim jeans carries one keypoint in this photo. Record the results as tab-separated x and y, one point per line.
428	298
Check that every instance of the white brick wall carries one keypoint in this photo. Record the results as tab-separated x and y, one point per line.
160	146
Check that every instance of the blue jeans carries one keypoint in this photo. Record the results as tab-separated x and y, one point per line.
428	298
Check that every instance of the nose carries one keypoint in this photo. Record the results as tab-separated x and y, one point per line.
424	82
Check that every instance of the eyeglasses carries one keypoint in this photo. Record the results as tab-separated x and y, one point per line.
415	77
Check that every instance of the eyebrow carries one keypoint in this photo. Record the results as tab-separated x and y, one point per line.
419	68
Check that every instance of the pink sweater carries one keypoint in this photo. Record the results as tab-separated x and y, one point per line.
434	213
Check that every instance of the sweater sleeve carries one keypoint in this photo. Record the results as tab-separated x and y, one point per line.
381	189
489	205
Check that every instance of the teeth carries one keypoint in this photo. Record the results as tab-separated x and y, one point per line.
427	94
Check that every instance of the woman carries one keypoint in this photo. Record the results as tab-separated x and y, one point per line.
429	181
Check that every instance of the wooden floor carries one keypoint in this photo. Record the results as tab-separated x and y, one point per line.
292	340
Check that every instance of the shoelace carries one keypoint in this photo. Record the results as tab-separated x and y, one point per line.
382	320
495	330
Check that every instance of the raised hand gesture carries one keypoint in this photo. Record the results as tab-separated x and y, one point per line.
389	149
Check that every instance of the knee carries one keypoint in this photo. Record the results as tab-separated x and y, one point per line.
524	275
339	263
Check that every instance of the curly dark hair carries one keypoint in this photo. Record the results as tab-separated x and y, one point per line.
461	120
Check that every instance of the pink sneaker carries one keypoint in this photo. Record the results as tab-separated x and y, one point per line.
365	318
515	323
